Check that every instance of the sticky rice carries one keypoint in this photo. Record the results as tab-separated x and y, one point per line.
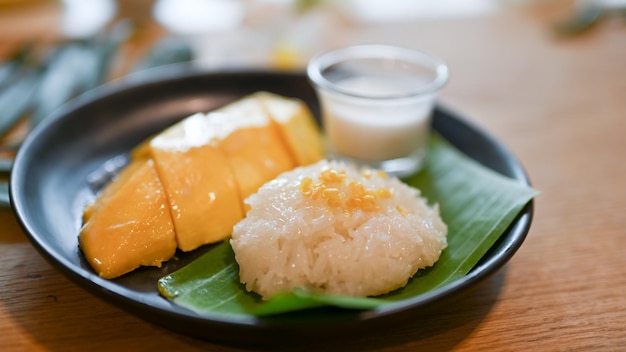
335	229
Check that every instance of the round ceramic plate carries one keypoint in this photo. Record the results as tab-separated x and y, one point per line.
50	185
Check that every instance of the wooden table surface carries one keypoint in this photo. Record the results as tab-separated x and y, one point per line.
559	104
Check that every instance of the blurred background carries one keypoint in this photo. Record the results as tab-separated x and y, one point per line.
53	50
280	33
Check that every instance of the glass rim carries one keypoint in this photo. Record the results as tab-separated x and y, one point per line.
323	60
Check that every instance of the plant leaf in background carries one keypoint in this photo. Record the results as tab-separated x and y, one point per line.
167	51
5	165
4	194
75	67
19	79
477	204
15	99
9	69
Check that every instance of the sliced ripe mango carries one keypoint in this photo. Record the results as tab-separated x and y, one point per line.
142	151
110	190
254	149
200	186
296	126
185	186
130	224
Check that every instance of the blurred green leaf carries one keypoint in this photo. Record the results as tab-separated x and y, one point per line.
5	165
60	80
168	50
11	68
4	194
75	67
15	100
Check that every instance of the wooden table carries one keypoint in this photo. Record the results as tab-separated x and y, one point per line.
558	103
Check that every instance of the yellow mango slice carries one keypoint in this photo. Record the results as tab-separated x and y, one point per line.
296	125
200	186
112	188
142	151
130	224
185	186
254	149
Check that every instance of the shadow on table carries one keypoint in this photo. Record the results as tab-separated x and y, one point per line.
439	330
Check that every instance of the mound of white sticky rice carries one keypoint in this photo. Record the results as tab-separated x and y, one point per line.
336	229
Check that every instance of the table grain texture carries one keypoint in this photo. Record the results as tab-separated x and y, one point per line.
559	104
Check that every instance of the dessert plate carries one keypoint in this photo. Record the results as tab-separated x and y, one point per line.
65	159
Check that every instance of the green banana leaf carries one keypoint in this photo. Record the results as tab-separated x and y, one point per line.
476	203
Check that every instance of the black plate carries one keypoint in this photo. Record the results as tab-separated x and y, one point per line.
49	188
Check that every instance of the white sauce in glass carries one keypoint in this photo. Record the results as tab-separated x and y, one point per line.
377	129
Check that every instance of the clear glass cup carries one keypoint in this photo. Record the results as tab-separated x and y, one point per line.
377	103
